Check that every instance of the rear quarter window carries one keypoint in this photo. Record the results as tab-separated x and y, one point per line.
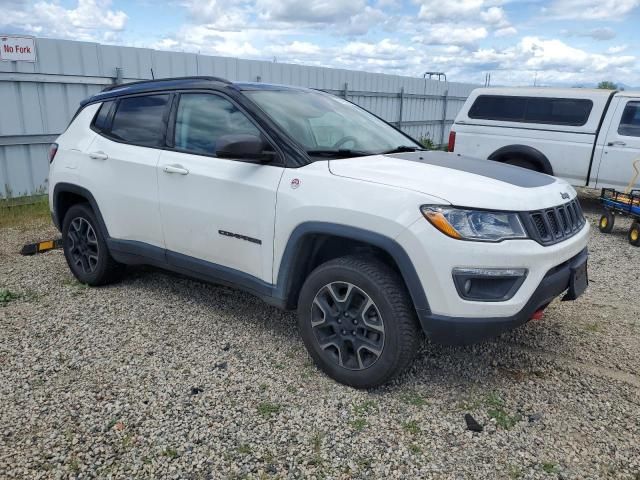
550	111
141	120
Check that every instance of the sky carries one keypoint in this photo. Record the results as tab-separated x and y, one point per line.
549	42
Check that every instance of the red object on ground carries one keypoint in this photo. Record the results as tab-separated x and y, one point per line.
538	314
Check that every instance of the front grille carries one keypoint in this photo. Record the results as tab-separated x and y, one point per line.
554	225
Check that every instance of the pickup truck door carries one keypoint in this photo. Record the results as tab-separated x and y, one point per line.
619	144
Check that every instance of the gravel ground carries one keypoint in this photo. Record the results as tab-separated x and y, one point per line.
165	377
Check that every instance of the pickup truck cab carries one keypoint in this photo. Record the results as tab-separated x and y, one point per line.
313	204
588	137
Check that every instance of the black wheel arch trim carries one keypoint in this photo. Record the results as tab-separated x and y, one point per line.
307	230
62	188
525	152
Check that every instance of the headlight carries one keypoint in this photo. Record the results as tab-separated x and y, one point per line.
478	225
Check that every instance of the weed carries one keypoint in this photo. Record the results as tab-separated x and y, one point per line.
593	327
412	427
316	441
244	449
496	410
365	407
358	424
413	398
74	465
266	409
263	387
550	467
292	389
7	296
170	452
514	472
415	449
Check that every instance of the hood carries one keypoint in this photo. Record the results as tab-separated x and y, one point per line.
461	181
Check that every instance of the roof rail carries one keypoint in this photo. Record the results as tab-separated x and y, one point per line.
168	79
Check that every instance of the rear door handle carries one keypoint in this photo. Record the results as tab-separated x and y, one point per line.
617	143
179	169
98	155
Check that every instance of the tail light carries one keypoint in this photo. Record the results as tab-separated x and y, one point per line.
53	149
452	141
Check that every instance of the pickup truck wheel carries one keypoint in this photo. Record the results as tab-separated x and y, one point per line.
85	248
634	234
522	163
607	221
357	321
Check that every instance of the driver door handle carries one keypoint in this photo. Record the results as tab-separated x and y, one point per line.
98	155
179	169
617	143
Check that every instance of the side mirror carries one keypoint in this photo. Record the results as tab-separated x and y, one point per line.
245	147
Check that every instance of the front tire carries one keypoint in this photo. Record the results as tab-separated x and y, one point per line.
357	321
85	248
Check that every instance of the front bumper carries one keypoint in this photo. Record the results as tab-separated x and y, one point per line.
462	330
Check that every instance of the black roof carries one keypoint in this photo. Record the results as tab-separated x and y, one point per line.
179	83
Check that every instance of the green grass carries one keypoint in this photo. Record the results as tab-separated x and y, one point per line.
16	215
316	441
365	407
413	398
358	424
593	327
244	449
7	296
266	409
496	410
170	452
549	467
415	449
411	427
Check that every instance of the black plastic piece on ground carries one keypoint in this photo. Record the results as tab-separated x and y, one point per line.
472	424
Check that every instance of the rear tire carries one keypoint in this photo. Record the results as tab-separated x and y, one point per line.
607	221
357	321
85	248
634	234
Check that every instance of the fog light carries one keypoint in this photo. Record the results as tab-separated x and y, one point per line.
488	284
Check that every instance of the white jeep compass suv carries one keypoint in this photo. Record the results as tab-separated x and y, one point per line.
314	204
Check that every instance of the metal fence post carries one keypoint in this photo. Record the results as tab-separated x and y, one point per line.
117	79
346	90
444	115
401	95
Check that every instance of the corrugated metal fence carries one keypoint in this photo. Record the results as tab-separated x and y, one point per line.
38	99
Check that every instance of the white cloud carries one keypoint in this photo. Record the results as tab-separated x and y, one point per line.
617	49
438	10
602	33
591	9
311	11
445	34
89	20
505	32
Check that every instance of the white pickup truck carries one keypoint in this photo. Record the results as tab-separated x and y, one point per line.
587	137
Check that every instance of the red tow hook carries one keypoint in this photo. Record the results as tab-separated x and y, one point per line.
538	314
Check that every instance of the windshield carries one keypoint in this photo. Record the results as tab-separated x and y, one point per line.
324	124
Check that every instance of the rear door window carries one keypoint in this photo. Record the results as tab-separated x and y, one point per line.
630	121
100	122
141	120
551	111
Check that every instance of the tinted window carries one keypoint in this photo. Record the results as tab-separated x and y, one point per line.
554	111
630	121
201	119
100	121
140	120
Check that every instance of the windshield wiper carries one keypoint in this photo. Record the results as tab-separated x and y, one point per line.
341	152
403	148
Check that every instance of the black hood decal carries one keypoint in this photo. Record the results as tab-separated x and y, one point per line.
520	177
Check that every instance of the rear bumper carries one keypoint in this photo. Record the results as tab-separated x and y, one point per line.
460	331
